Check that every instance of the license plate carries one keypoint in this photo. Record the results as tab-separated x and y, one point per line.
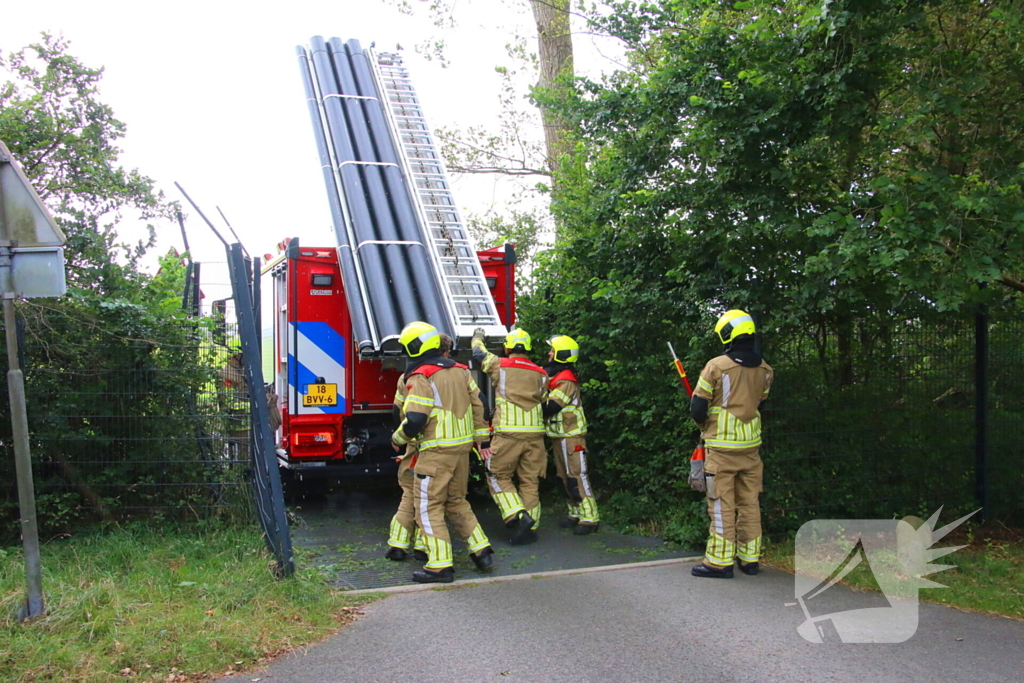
320	395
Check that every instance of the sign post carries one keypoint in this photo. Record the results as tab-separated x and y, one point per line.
31	265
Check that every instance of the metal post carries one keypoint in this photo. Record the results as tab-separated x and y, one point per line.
981	410
257	301
187	291
22	454
196	302
267	479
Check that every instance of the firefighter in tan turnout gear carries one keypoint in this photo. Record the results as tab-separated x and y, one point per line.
235	399
567	430
520	386
443	416
725	405
403	529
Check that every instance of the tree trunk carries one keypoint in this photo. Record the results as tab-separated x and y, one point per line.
555	51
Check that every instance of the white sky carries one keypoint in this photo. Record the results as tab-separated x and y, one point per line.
212	97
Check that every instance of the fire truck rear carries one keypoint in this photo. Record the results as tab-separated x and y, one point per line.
336	407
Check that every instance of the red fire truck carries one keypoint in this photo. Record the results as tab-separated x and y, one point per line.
401	254
336	405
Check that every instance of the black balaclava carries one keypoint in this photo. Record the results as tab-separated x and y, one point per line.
433	356
744	351
554	367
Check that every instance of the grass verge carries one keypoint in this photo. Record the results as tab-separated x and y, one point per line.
161	605
988	576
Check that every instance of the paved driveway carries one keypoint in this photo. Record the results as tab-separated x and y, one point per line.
641	623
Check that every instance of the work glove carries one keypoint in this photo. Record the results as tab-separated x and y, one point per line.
698	480
478	338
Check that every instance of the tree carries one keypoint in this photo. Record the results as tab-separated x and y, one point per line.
110	365
849	171
65	139
554	41
858	150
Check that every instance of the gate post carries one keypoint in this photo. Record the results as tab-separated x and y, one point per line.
981	410
266	475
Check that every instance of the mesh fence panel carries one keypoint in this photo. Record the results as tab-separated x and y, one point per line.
151	421
138	423
879	420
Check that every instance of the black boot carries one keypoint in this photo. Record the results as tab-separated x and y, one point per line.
748	568
482	558
420	555
584	529
523	533
446	575
569	522
395	554
704	571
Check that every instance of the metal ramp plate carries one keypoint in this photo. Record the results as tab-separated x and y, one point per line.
345	534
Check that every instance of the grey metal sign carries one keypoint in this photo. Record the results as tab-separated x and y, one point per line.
31	234
25	217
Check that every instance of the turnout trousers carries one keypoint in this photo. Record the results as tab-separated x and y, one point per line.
440	482
524	457
571	465
403	529
734	481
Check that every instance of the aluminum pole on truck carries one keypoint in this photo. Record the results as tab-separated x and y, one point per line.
360	315
381	234
375	277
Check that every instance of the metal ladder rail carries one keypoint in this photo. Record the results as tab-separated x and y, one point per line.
452	249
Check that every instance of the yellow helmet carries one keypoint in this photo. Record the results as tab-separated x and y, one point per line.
565	349
733	324
418	337
516	339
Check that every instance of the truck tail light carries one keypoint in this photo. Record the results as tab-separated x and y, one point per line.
313	439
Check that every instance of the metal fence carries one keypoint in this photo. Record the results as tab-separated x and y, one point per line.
129	419
887	418
135	419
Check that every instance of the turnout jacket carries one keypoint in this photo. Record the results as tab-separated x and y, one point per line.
520	387
564	390
445	394
733	392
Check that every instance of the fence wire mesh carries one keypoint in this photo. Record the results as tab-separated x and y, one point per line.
134	416
880	420
130	417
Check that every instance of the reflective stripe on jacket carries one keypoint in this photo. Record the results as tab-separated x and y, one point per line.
564	389
519	392
451	400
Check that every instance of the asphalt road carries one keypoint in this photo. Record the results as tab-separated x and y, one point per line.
644	623
347	531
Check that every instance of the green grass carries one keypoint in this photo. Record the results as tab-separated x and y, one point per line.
164	604
523	562
988	577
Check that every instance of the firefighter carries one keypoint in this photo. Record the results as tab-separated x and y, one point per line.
403	530
520	386
567	429
725	406
236	402
443	416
